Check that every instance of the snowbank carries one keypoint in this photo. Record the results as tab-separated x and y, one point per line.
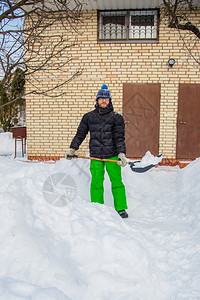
7	143
79	250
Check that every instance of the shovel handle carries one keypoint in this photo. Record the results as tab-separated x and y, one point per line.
94	158
132	164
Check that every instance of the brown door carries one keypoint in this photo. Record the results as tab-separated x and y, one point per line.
188	122
141	111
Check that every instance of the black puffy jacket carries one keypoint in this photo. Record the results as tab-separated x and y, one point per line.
107	132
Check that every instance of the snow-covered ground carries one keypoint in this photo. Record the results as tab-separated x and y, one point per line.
56	245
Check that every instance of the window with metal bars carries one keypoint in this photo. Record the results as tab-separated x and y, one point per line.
128	25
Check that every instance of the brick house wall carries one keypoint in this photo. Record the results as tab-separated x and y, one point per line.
52	121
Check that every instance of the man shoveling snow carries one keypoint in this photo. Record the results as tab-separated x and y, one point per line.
107	141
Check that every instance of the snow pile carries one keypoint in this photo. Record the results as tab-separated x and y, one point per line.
7	144
188	193
148	159
85	251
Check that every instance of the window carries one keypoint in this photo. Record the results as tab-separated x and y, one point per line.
113	25
128	25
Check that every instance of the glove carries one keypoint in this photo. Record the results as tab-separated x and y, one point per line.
123	161
69	153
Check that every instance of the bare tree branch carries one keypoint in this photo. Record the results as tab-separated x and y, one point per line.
178	12
179	15
28	38
187	26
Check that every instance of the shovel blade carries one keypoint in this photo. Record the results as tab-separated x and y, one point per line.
134	168
141	169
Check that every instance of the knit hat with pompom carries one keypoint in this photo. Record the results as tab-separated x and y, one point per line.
104	92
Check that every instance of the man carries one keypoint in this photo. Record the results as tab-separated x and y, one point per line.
107	140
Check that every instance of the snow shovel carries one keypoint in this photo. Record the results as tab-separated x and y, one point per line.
133	165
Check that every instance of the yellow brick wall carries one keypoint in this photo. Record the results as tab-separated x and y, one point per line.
52	121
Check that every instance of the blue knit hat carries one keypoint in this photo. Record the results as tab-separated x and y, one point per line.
104	92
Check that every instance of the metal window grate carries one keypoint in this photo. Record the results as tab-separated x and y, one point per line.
143	25
142	20
114	20
128	25
113	25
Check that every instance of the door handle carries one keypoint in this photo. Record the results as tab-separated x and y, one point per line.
182	122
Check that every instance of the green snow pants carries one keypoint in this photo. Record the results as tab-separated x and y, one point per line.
97	169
